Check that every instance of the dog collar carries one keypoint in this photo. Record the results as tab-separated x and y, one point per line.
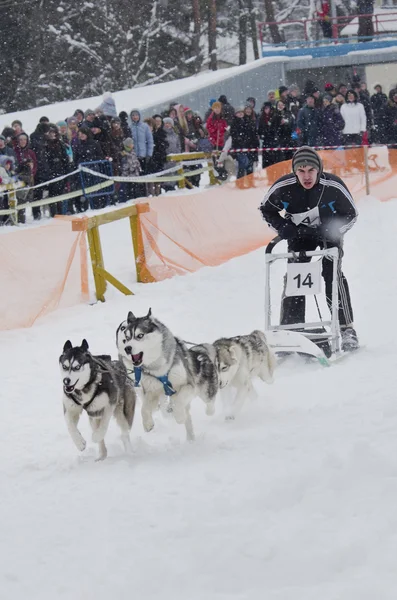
167	385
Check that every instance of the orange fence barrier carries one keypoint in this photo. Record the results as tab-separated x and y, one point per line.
41	268
45	267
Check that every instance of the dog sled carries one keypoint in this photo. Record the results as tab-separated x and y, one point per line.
318	340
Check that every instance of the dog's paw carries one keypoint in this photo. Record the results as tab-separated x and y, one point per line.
148	426
81	444
97	436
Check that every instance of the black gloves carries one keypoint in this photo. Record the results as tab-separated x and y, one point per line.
290	231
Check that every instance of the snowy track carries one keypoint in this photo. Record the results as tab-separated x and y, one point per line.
295	500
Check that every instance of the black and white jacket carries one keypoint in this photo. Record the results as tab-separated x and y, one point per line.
328	203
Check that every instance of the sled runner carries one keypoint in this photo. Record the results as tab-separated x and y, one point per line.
319	339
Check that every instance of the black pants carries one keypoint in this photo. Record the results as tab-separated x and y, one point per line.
352	138
293	307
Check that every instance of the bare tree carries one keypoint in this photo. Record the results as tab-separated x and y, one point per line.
242	32
196	34
253	29
274	30
212	18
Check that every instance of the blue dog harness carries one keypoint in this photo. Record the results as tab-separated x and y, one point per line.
167	385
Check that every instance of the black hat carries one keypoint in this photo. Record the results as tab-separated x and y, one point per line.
306	157
282	89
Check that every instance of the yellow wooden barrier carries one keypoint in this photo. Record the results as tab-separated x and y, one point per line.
91	225
193	156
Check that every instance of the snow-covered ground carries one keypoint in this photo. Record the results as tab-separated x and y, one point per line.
295	500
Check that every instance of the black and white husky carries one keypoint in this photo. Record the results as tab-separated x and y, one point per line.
166	368
238	360
101	387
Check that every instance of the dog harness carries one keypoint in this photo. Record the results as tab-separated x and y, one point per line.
167	385
87	404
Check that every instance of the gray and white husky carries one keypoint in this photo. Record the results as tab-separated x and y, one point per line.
167	368
101	387
238	360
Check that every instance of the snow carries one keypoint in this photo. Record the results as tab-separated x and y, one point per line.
293	500
137	97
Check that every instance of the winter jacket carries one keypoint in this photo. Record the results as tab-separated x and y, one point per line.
378	102
244	135
130	165
391	122
353	114
143	138
37	144
57	160
330	126
330	196
6	176
173	141
283	124
25	154
7	151
227	110
159	156
88	151
308	122
216	126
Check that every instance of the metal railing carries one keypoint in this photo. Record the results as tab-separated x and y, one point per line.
338	23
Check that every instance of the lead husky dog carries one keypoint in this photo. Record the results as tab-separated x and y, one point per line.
101	387
238	360
166	368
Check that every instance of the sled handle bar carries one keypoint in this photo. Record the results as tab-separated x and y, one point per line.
272	243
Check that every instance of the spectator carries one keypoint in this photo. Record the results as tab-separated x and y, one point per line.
130	167
325	19
308	123
5	150
108	106
37	143
209	109
124	124
244	135
339	100
391	117
251	114
353	114
227	109
283	94
266	133
24	153
342	89
17	127
216	126
283	123
294	102
57	164
63	136
331	123
364	98
117	138
330	89
7	175
72	132
87	150
379	104
143	140
271	97
365	10
24	173
79	114
173	147
44	120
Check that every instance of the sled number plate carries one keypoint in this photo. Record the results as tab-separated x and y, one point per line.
303	279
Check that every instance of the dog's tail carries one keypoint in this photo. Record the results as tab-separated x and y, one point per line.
271	364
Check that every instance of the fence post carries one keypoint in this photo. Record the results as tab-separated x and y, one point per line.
94	242
13	203
366	168
181	182
211	172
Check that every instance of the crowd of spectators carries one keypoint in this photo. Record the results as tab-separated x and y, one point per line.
337	115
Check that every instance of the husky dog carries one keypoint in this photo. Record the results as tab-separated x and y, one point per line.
101	387
238	360
166	368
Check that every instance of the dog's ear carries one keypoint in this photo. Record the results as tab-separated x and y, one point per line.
149	314
131	317
67	346
84	345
